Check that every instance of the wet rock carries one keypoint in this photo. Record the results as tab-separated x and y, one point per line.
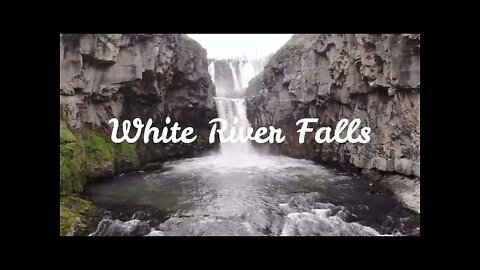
76	215
152	166
406	190
108	227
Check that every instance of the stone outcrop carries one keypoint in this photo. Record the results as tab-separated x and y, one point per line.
405	189
77	215
136	75
134	227
332	76
255	85
125	76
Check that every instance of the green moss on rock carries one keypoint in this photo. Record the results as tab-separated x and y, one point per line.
72	177
76	214
65	135
126	157
72	155
125	149
99	154
89	155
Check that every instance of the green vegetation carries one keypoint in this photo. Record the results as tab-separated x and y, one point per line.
71	167
84	155
71	161
65	135
127	151
97	150
76	214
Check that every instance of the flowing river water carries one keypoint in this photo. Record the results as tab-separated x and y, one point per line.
241	192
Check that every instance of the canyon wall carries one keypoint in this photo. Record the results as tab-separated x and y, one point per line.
373	77
126	76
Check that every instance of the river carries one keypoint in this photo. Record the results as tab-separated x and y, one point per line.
241	192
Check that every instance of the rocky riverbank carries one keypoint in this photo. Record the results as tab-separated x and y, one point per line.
375	78
125	76
332	76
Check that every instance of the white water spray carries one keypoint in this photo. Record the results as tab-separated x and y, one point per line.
233	110
211	71
236	83
247	72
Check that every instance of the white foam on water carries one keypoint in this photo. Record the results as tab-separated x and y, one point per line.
155	233
321	222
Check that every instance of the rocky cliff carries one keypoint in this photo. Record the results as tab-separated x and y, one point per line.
255	85
125	76
332	76
128	76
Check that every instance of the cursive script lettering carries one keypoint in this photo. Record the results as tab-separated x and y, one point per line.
167	135
341	125
233	135
236	133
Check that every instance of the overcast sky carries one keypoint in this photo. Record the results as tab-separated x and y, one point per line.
222	46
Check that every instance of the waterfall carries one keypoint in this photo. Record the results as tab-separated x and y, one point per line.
236	83
247	72
211	71
232	76
233	110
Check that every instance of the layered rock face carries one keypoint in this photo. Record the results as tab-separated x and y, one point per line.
255	85
332	76
126	76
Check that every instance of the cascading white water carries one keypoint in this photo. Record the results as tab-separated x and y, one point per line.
247	72
233	110
236	83
258	64
232	76
211	71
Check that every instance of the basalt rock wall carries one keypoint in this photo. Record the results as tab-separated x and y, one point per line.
127	76
373	77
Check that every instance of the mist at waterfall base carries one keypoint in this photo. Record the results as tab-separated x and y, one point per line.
239	192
